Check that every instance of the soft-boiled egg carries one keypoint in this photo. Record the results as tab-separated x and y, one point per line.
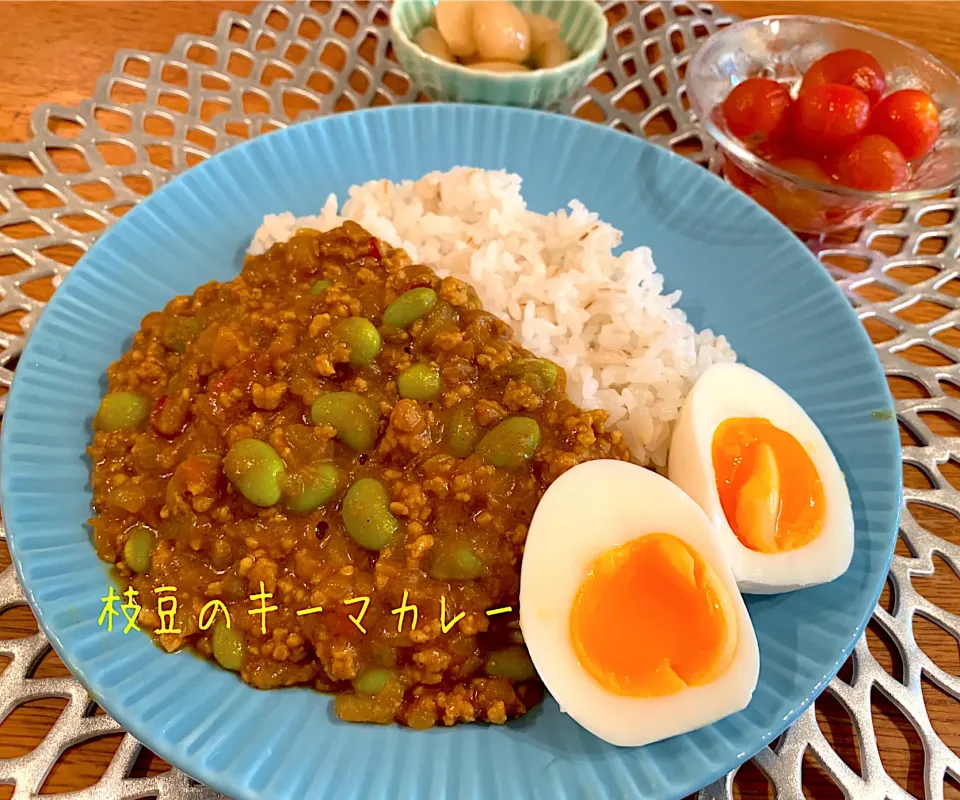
761	470
628	609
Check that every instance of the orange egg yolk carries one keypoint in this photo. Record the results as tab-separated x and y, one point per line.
769	488
652	618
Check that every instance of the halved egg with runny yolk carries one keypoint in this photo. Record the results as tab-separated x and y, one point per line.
770	491
670	600
766	478
628	609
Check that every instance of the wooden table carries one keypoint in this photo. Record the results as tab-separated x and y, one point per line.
54	52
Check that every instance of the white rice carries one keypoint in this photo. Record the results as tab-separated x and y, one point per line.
604	318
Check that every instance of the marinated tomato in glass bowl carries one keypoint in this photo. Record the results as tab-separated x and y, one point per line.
825	123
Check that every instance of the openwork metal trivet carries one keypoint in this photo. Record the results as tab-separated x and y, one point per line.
155	115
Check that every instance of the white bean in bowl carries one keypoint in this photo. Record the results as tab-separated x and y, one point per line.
431	42
455	24
500	31
542	29
498	66
551	53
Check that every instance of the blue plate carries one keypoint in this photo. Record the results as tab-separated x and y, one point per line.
741	273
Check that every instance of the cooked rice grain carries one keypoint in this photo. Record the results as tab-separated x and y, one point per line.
604	318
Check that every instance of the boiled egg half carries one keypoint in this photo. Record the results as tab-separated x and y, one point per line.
628	609
765	477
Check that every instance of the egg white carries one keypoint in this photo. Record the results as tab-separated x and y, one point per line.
734	390
590	509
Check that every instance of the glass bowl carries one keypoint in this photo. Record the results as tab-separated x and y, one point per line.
783	48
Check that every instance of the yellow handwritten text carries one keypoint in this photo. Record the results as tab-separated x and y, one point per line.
402	611
363	610
444	625
109	612
131	605
216	605
262	596
166	608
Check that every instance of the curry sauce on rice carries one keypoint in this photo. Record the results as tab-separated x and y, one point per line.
556	279
344	432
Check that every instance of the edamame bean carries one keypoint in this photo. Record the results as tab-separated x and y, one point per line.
456	563
354	417
138	549
255	469
227	646
419	382
366	514
513	663
361	336
409	307
309	488
372	680
442	316
463	432
179	332
539	373
121	411
510	443
319	286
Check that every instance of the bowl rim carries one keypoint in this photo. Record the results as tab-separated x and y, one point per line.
589	54
736	148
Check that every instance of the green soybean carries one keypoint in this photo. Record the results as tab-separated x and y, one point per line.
354	417
456	563
513	663
442	316
138	549
121	411
510	443
361	336
409	307
366	514
227	645
463	432
420	382
319	286
255	469
372	681
178	333
309	488
539	373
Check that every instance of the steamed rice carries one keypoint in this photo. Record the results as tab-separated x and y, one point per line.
604	318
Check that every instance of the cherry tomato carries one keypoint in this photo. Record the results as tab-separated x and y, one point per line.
785	148
874	164
909	118
829	118
803	167
745	182
853	68
757	110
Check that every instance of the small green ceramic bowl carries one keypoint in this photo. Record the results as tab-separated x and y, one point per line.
582	26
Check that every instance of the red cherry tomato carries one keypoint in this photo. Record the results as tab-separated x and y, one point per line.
910	119
853	68
829	117
874	164
757	110
737	176
803	167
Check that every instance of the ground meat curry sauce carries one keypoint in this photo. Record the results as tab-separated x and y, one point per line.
337	423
